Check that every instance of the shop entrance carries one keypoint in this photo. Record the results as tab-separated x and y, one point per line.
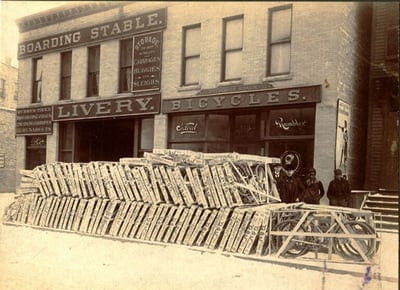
105	140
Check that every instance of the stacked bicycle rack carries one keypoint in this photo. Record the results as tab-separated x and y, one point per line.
221	202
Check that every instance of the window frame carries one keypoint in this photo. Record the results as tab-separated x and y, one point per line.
35	81
62	149
95	73
66	77
185	57
285	41
30	150
225	51
125	67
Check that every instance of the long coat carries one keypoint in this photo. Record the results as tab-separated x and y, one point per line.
289	188
339	191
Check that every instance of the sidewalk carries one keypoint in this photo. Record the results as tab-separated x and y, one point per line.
43	259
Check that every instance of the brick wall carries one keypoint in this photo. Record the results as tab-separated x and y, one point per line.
10	75
8	147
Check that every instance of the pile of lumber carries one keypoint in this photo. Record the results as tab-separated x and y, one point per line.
218	201
242	230
175	177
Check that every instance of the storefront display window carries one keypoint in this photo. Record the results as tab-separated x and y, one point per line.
270	132
67	142
146	134
35	151
204	133
291	122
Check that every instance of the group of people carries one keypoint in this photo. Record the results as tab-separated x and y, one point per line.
292	189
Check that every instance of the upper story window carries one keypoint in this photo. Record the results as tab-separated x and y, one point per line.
232	48
125	61
93	71
2	88
37	80
191	55
66	64
279	40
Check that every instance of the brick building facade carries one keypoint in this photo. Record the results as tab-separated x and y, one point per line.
116	80
8	103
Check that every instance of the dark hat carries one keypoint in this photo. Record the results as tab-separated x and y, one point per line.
338	172
312	170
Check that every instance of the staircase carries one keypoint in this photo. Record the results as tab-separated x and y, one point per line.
386	203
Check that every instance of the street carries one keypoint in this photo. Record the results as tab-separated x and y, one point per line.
45	259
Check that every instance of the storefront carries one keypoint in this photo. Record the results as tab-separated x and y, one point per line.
104	130
273	122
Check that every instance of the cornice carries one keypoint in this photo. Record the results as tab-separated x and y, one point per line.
64	13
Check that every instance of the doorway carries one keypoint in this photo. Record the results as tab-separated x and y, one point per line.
104	140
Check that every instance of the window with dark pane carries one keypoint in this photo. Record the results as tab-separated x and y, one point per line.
35	151
93	71
232	48
279	40
125	60
191	55
37	80
66	141
146	134
66	64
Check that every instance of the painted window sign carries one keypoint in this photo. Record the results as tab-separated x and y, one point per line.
187	128
289	122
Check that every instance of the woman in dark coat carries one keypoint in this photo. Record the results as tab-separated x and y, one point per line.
289	187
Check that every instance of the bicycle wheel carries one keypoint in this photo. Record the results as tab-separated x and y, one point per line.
298	244
344	247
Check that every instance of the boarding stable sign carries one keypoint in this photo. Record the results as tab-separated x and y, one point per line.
270	97
142	23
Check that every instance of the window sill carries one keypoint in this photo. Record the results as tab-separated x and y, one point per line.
278	78
189	88
230	83
37	104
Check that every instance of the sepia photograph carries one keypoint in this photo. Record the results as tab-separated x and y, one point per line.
199	145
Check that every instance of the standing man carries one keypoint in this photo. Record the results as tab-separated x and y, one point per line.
314	190
339	190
